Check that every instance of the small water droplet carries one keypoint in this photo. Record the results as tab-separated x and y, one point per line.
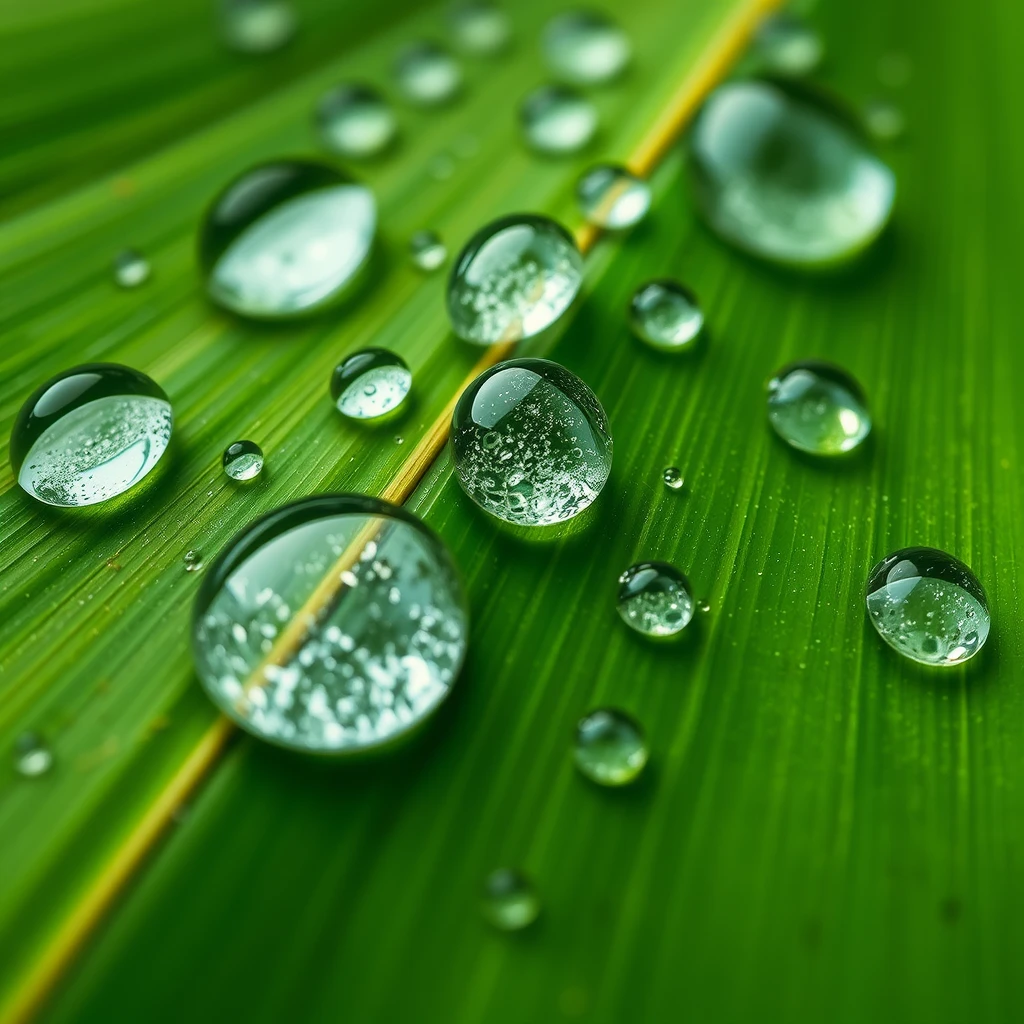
611	196
427	74
585	47
131	268
610	747
399	439
427	250
884	120
673	478
193	561
556	119
510	901
655	599
32	756
243	460
787	45
480	28
257	26
356	121
666	315
704	607
369	384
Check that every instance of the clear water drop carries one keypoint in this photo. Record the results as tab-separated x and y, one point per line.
90	434
884	120
531	443
370	383
611	196
480	28
399	439
610	747
818	408
928	606
666	316
510	902
786	180
286	239
704	607
32	756
331	625
243	460
427	250
356	121
257	26
514	278
655	599
673	478
556	120
787	45
131	268
193	560
427	74
585	47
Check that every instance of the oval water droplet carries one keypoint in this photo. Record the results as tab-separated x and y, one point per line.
655	599
370	383
672	478
585	47
356	121
427	250
611	196
787	45
480	28
666	315
257	26
193	560
510	901
243	460
32	756
427	74
610	747
556	119
131	268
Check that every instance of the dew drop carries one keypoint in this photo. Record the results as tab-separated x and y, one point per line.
610	747
585	47
787	45
673	478
243	460
510	901
131	268
427	74
427	251
32	756
257	26
369	384
356	121
655	599
480	28
399	439
193	561
611	196
666	316
884	120
556	119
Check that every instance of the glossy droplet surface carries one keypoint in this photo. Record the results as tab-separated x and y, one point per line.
818	408
556	119
884	120
787	45
672	478
610	747
243	460
427	251
786	180
257	26
427	74
666	315
32	756
655	599
370	383
193	561
286	239
90	434
531	442
356	121
928	606
585	47
131	268
509	901
479	27
331	625
611	196
515	277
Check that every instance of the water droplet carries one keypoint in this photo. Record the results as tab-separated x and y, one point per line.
298	636
243	460
32	757
785	180
666	315
884	120
895	69
399	439
370	383
131	268
356	121
480	28
673	478
427	74
818	408
510	901
928	606
531	442
655	599
704	607
611	196
585	47
427	250
90	434
193	561
787	45
556	119
515	277
610	747
257	26
286	238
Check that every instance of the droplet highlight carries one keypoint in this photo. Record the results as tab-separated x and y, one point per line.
585	47
427	74
370	384
243	460
32	756
131	268
787	45
356	121
666	315
611	196
257	26
510	901
557	120
610	747
480	28
655	599
427	251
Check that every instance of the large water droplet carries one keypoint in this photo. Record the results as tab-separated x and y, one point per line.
32	756
666	315
818	408
131	268
257	26
356	121
585	47
331	625
928	606
785	180
509	901
480	28
655	599
531	442
610	747
370	383
286	238
514	278
557	119
90	434
243	460
787	45
427	250
611	196
428	74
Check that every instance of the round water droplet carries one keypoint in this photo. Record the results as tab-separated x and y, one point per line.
514	278
356	121
884	120
510	901
557	119
673	478
131	268
704	607
785	180
928	606
610	747
332	625
257	26
32	757
585	47
370	384
480	28
193	561
666	316
531	442
787	45
818	408
243	460
427	74
90	434
611	196
655	599
286	238
427	250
